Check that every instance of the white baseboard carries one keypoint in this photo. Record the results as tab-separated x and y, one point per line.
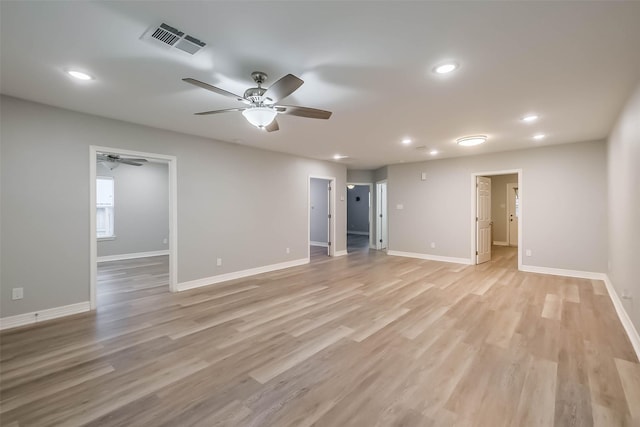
632	332
562	272
239	274
42	315
497	243
323	244
122	257
340	253
359	233
466	261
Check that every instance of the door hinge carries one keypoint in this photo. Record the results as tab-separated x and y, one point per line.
329	243
380	215
329	216
476	252
380	240
476	218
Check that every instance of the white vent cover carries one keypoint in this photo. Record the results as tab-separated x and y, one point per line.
168	37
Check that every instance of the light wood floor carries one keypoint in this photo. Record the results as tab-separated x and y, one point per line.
359	340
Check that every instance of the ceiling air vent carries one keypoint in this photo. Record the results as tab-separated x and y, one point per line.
172	38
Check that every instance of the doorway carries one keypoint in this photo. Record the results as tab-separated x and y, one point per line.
169	162
495	221
359	217
321	215
382	223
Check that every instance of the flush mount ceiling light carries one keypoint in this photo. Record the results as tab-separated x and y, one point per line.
445	68
469	141
433	152
339	156
79	75
260	116
539	136
529	118
406	141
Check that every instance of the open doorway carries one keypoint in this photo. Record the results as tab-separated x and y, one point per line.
496	215
359	217
321	214
133	223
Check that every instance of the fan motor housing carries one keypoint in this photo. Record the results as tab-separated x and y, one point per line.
254	94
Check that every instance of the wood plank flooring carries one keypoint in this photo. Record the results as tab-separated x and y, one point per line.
359	340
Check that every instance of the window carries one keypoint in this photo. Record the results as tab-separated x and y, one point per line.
104	207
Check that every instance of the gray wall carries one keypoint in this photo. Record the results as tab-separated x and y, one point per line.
358	211
360	176
319	227
563	196
624	206
141	212
499	205
222	193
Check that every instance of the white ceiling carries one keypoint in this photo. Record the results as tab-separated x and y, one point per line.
573	63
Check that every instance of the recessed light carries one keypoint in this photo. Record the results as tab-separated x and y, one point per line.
433	152
445	68
339	156
530	118
79	75
539	136
468	141
406	141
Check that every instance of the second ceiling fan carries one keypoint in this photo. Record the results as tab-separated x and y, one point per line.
262	107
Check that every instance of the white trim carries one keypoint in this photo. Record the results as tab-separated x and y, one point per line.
385	216
474	208
134	255
42	315
173	215
632	332
323	244
340	253
563	272
497	243
465	261
359	233
239	274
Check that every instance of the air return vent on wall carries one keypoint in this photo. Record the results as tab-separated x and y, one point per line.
170	38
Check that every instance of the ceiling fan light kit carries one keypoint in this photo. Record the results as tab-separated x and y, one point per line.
260	116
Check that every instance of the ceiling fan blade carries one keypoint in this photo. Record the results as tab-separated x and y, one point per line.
283	87
272	127
217	90
129	162
204	113
134	160
311	113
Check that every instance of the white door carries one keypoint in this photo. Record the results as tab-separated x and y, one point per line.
513	212
329	219
381	220
483	219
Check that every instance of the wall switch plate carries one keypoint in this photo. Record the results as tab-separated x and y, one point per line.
219	262
342	198
399	207
288	250
423	176
165	241
433	245
527	252
17	293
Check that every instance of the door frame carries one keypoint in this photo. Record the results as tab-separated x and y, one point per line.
370	185
332	212
173	215
472	215
386	214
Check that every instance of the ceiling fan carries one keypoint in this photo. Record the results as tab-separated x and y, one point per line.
112	161
262	107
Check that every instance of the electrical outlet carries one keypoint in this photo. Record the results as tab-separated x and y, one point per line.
219	262
528	252
433	245
287	250
17	293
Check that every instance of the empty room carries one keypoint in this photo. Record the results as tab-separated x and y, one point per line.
327	213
